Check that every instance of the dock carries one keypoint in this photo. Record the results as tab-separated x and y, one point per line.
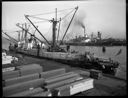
103	86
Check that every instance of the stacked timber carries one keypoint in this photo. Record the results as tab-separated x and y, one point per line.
52	73
29	92
20	87
10	74
21	79
29	69
56	82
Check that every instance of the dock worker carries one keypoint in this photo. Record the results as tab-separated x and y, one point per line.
38	49
68	48
30	43
103	49
10	46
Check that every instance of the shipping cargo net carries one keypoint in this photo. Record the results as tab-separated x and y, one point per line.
31	80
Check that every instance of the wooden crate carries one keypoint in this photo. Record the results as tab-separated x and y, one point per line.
96	74
52	73
19	87
28	92
21	79
10	74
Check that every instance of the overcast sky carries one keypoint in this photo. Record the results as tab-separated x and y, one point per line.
107	16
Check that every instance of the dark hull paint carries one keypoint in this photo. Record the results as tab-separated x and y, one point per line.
77	63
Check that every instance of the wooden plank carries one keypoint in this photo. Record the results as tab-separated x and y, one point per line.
28	66
60	83
10	74
30	69
28	92
48	81
60	75
52	73
21	79
19	87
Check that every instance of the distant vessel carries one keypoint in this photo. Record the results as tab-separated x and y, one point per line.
86	41
56	52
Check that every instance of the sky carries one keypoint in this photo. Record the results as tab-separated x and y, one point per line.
106	16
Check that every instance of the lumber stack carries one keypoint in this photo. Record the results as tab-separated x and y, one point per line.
21	79
56	82
29	69
10	74
19	87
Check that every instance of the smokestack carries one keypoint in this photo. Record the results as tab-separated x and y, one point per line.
84	32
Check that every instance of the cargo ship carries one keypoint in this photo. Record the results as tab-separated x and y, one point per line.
55	52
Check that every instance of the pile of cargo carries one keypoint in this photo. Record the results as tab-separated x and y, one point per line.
7	59
31	80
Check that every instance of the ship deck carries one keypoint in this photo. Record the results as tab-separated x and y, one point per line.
105	86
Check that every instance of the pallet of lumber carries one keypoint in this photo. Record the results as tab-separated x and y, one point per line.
30	69
52	73
19	87
21	79
10	74
28	92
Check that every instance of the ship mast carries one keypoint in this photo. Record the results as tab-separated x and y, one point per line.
54	21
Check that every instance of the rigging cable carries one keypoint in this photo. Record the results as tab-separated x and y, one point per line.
50	12
67	14
69	24
39	18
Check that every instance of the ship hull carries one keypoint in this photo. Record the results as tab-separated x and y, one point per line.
73	60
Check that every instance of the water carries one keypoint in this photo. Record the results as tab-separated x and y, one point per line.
110	52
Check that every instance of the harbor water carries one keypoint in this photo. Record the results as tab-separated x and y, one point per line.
111	52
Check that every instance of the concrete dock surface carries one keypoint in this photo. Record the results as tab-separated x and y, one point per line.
104	86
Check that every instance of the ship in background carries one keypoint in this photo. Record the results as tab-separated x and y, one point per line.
95	40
